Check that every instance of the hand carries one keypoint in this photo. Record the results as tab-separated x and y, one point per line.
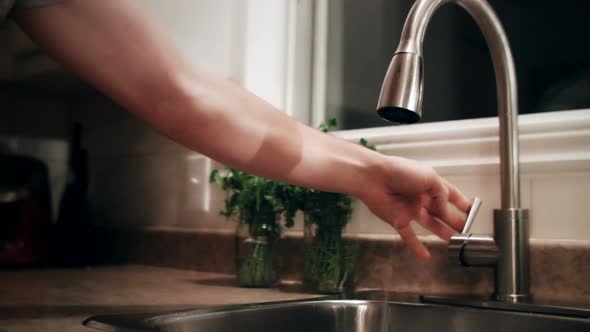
408	190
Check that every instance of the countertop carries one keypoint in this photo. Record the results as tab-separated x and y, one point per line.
59	299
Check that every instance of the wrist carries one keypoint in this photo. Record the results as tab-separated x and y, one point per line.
372	175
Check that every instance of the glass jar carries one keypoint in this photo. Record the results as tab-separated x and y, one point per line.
257	260
329	259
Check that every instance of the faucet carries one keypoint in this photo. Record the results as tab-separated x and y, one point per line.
400	101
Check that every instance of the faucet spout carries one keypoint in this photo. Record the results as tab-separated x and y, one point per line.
401	92
400	101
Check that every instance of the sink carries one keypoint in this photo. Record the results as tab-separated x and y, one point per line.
341	315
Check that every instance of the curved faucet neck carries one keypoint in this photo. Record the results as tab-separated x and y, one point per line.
411	42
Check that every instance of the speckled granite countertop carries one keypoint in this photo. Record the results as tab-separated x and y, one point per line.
59	299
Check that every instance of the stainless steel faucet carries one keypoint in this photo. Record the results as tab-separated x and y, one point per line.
400	102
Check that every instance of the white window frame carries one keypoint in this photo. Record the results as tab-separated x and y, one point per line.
278	54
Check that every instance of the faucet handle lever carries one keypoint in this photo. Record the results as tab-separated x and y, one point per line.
471	215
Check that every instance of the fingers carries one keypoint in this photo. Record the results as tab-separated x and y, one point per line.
429	222
439	206
401	223
442	211
442	195
409	237
457	198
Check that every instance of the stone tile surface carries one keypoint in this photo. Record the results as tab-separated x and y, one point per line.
560	270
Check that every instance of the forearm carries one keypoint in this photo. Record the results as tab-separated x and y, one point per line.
114	46
243	131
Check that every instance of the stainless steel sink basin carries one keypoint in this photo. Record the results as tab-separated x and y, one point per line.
329	315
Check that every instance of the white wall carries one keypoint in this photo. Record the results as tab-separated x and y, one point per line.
243	40
209	33
266	49
554	160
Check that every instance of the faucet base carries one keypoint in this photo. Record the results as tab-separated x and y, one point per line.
511	234
530	305
514	298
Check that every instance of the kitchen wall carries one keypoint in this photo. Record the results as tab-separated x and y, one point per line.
142	179
554	167
138	177
35	105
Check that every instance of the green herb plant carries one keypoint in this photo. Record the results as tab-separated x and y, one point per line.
329	260
257	204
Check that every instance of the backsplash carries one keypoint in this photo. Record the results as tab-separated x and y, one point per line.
559	269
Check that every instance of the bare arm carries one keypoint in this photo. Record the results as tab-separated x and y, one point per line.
115	47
